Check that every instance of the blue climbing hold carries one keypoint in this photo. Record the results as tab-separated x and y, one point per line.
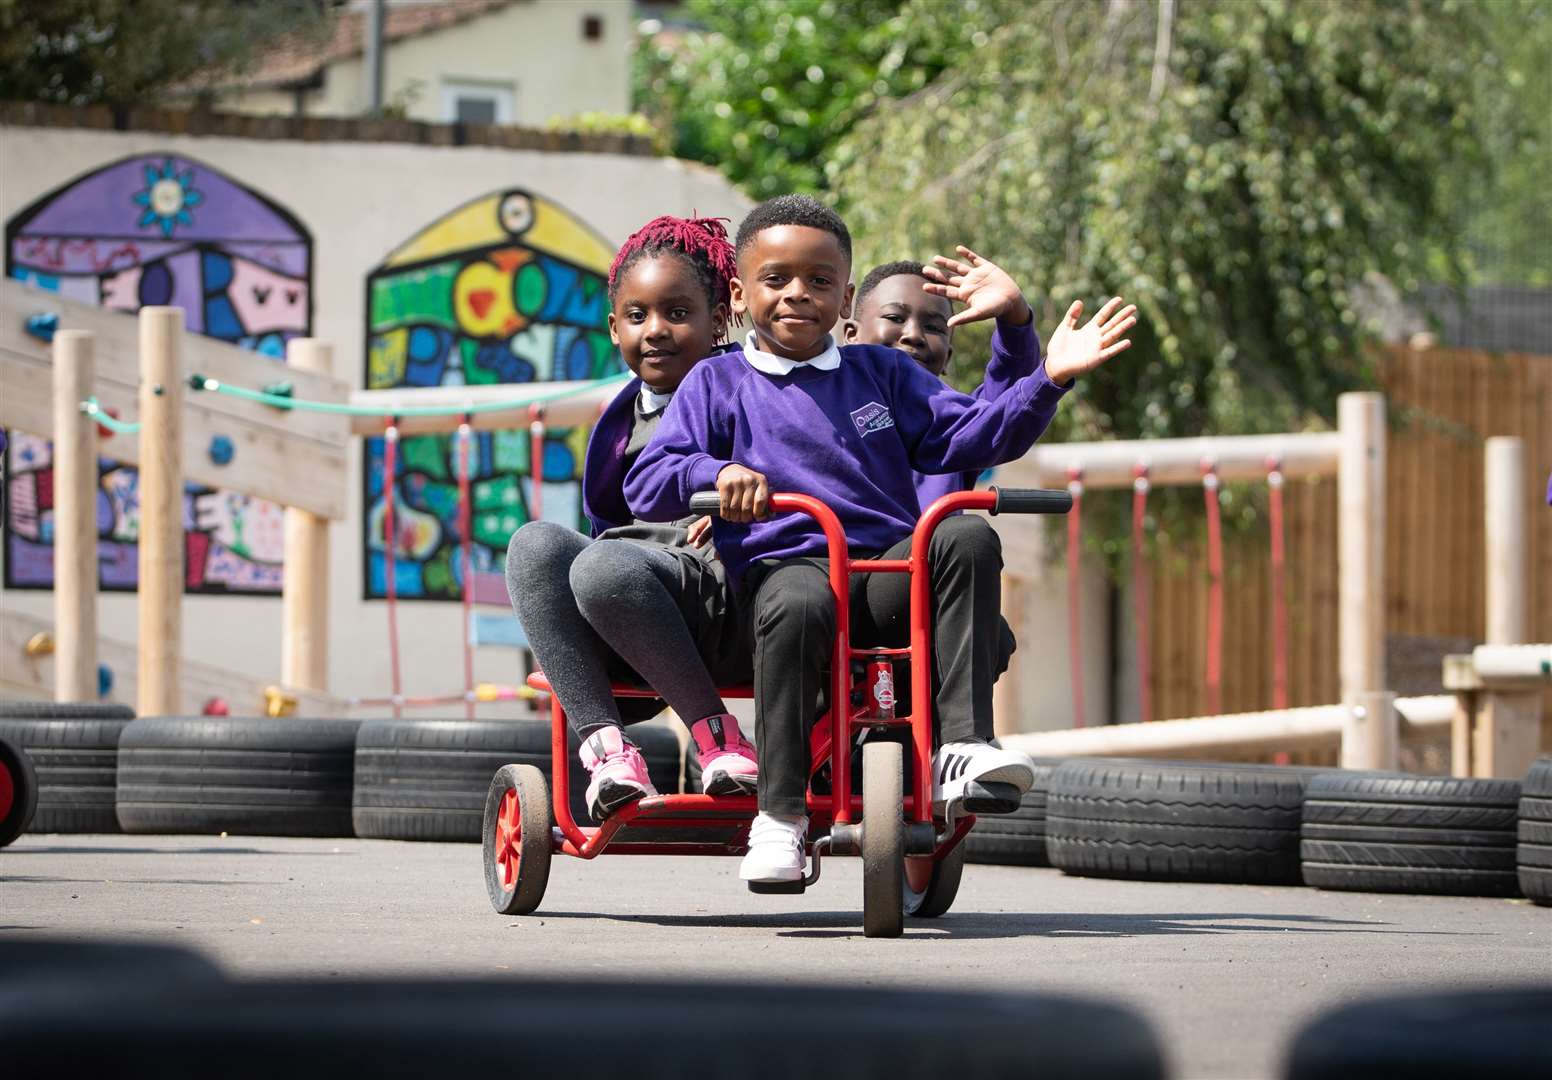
104	680
221	450
42	325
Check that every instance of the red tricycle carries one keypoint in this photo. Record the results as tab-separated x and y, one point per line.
911	863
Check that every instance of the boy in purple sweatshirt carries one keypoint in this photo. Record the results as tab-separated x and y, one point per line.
791	411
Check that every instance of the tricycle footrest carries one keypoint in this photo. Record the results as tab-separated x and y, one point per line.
778	888
991	798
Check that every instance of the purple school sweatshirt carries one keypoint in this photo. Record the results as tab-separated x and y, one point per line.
1015	353
851	438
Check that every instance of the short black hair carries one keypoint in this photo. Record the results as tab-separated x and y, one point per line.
792	210
883	273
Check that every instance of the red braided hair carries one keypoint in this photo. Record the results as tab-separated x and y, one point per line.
702	242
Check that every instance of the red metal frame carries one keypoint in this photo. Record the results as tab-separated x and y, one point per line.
735	812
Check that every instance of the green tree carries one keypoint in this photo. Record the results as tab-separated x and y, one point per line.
763	88
1234	167
124	52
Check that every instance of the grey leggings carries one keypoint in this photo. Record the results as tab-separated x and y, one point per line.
587	605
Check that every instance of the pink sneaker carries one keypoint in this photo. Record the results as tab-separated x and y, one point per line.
618	770
728	762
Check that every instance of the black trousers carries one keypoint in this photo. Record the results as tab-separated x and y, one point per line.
793	618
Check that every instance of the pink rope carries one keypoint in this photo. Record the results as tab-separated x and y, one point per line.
465	528
1074	597
536	462
390	546
1141	584
1214	589
1274	480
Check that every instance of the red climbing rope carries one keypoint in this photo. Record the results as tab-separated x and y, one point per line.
1214	589
1074	595
390	568
1274	481
465	528
536	462
1141	584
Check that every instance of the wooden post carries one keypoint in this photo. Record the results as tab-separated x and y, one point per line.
161	510
1506	733
75	520
304	593
1508	583
1371	733
1006	718
1361	578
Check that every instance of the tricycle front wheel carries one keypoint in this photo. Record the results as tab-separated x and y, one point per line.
883	839
517	839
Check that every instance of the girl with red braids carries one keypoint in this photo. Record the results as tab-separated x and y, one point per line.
641	601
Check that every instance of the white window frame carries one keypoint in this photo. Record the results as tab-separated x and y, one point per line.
503	94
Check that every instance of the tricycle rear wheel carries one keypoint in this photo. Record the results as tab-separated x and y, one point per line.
517	839
930	887
883	839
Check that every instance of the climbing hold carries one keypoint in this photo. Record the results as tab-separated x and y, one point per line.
40	644
279	703
104	680
216	706
42	325
221	450
280	389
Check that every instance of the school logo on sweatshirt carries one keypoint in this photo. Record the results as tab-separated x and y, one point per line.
872	417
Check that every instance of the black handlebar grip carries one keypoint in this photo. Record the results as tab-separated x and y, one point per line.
1031	501
705	502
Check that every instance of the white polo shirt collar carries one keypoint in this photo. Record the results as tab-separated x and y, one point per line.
651	401
772	364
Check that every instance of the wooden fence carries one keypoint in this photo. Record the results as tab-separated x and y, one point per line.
1442	404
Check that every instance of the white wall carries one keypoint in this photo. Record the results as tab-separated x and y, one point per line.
359	200
534	47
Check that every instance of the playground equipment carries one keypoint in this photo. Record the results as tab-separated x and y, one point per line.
911	863
198	420
1370	722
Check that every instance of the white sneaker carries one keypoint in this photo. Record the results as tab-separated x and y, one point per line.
775	849
958	764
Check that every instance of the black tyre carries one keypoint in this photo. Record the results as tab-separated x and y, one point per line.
45	974
1533	856
401	1030
253	776
518	840
1176	821
1492	1034
883	839
1383	832
1016	839
427	779
18	791
75	750
930	887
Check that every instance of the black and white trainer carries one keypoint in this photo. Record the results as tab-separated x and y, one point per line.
958	766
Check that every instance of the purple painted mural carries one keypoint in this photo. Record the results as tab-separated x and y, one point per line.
160	229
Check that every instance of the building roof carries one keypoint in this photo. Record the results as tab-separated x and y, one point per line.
301	59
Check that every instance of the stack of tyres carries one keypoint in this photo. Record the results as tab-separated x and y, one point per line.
1392	832
427	779
249	776
74	747
1533	855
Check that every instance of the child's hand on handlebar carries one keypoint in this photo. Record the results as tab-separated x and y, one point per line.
744	493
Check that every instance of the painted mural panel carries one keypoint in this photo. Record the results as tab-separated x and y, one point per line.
160	229
508	288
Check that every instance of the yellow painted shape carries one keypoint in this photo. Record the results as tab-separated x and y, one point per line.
386	358
506	216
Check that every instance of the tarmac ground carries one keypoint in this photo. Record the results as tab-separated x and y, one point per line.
1226	974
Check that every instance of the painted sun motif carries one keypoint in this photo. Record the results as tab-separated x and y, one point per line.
168	197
